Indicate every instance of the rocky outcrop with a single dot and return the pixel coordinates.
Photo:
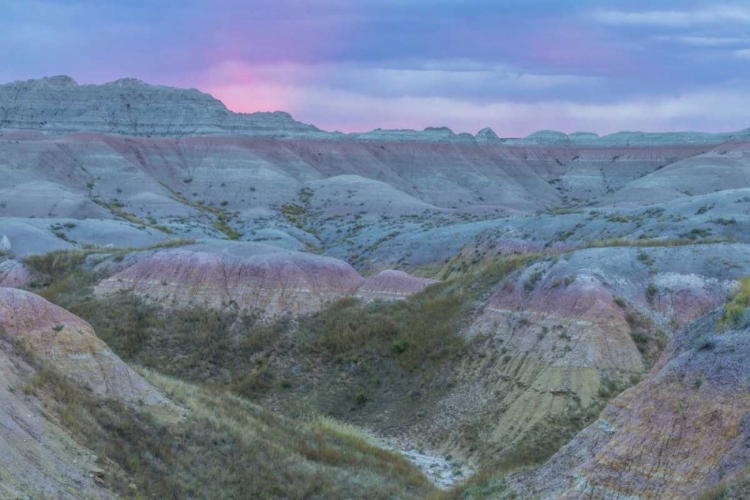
(430, 134)
(251, 277)
(58, 106)
(558, 339)
(487, 136)
(683, 430)
(392, 285)
(627, 139)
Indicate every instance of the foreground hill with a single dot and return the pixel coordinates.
(682, 432)
(77, 422)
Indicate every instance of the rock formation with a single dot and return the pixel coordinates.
(392, 285)
(682, 431)
(58, 105)
(250, 277)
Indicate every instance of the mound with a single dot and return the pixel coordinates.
(244, 275)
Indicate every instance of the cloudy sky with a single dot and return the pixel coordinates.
(352, 65)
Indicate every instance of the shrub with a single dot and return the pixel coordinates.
(360, 398)
(705, 343)
(534, 278)
(645, 258)
(737, 311)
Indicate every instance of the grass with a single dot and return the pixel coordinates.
(737, 310)
(351, 358)
(361, 354)
(540, 443)
(200, 345)
(648, 243)
(649, 339)
(224, 448)
(228, 448)
(423, 328)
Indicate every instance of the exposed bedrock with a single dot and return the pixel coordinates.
(558, 339)
(243, 275)
(681, 431)
(251, 277)
(392, 285)
(69, 345)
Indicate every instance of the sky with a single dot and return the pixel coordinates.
(516, 66)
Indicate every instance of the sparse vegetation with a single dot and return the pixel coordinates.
(645, 258)
(225, 448)
(737, 310)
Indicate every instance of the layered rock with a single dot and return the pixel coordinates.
(721, 168)
(13, 274)
(682, 431)
(69, 345)
(243, 275)
(620, 139)
(58, 106)
(392, 285)
(558, 339)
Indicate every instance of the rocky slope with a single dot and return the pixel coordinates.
(679, 433)
(392, 285)
(39, 455)
(250, 277)
(552, 343)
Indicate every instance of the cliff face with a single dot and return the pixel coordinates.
(392, 285)
(556, 341)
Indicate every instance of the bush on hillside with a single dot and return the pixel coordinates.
(737, 311)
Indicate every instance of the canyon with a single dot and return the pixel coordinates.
(544, 312)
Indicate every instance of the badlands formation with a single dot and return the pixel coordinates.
(543, 312)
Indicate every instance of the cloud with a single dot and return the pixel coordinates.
(348, 111)
(704, 40)
(742, 53)
(719, 14)
(432, 78)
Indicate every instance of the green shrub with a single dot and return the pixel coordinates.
(645, 258)
(737, 311)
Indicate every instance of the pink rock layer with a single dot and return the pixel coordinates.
(68, 344)
(269, 281)
(392, 285)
